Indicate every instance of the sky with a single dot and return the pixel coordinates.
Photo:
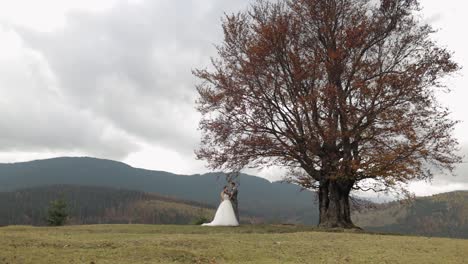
(112, 79)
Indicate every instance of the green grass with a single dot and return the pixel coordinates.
(195, 244)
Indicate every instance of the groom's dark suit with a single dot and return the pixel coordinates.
(233, 197)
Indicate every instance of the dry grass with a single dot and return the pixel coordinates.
(195, 244)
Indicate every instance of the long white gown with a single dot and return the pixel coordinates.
(225, 215)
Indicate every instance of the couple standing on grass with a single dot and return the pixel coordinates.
(228, 212)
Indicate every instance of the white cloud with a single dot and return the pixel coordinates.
(112, 78)
(155, 157)
(449, 18)
(47, 15)
(36, 117)
(118, 75)
(427, 189)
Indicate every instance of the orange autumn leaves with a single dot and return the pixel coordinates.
(334, 90)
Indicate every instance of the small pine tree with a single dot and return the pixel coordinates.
(201, 220)
(57, 213)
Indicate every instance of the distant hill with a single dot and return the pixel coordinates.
(259, 199)
(438, 215)
(97, 205)
(272, 202)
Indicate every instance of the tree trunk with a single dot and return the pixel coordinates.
(334, 204)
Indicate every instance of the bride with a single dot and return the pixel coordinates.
(225, 215)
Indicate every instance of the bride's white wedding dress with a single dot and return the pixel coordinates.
(225, 215)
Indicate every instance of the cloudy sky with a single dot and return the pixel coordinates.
(112, 79)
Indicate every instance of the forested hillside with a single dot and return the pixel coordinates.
(97, 205)
(438, 215)
(118, 193)
(275, 202)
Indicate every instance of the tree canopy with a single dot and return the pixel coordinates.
(341, 92)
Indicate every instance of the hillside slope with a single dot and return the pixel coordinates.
(275, 202)
(97, 205)
(438, 215)
(262, 201)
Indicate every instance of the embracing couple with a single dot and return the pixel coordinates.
(227, 213)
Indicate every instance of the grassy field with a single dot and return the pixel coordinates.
(194, 244)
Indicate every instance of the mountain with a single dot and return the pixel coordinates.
(97, 205)
(438, 215)
(271, 202)
(259, 199)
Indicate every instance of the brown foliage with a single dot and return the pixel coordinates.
(335, 90)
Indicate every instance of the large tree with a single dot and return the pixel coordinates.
(342, 92)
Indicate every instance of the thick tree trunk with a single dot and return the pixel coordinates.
(334, 204)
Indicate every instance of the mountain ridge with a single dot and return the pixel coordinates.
(257, 196)
(270, 202)
(444, 214)
(97, 205)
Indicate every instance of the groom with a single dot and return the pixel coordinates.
(233, 198)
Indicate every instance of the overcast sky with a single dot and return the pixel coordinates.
(112, 79)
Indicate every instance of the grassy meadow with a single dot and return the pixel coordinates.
(195, 244)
